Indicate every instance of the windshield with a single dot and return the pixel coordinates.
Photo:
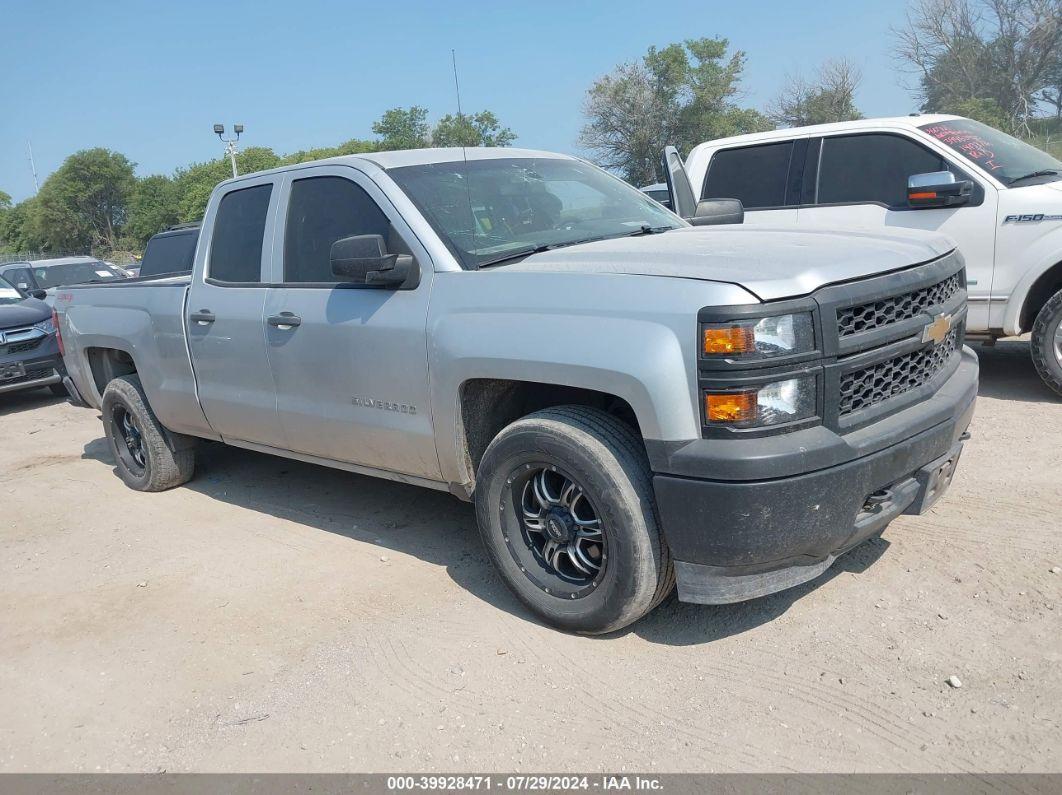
(75, 273)
(1001, 155)
(9, 295)
(487, 209)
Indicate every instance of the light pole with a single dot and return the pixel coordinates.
(230, 143)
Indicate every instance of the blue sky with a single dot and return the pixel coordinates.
(149, 79)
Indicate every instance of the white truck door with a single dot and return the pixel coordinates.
(352, 375)
(768, 179)
(862, 182)
(223, 316)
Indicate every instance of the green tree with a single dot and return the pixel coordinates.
(682, 94)
(83, 204)
(403, 128)
(999, 50)
(986, 111)
(14, 227)
(471, 129)
(829, 98)
(196, 182)
(354, 146)
(152, 208)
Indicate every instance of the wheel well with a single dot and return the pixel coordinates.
(107, 364)
(488, 405)
(1049, 283)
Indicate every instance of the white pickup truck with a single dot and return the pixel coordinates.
(998, 198)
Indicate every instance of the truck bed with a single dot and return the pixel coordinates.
(145, 319)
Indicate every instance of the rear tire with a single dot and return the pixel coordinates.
(138, 442)
(1047, 343)
(595, 568)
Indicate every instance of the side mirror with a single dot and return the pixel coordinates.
(40, 295)
(363, 259)
(938, 189)
(718, 211)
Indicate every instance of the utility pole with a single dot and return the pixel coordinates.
(230, 143)
(33, 168)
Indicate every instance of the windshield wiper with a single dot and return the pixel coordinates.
(650, 230)
(523, 252)
(1044, 172)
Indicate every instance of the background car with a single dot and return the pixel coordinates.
(47, 274)
(658, 192)
(29, 350)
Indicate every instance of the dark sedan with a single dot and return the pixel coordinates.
(29, 350)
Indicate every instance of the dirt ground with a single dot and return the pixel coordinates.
(276, 616)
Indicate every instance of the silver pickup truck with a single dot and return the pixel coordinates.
(629, 399)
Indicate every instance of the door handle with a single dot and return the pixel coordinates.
(202, 317)
(285, 321)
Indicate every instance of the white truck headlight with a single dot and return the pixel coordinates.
(779, 335)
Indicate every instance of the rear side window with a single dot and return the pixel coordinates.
(871, 168)
(236, 248)
(755, 174)
(321, 211)
(169, 254)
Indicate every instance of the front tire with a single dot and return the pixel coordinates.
(564, 503)
(138, 442)
(1047, 343)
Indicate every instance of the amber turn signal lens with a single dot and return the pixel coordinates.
(728, 339)
(730, 406)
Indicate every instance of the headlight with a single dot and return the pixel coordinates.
(781, 335)
(46, 326)
(770, 404)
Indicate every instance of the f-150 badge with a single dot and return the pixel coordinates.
(1030, 218)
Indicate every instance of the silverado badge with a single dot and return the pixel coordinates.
(937, 330)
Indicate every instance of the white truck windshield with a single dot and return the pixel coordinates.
(1003, 156)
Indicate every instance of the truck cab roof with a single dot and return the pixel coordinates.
(905, 122)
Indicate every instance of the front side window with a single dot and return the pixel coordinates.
(495, 209)
(1004, 157)
(873, 167)
(756, 175)
(321, 211)
(239, 228)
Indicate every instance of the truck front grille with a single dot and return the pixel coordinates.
(879, 382)
(875, 314)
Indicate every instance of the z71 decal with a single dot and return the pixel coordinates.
(1030, 218)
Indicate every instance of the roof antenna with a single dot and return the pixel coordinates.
(464, 156)
(457, 85)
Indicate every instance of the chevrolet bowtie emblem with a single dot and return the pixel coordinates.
(937, 330)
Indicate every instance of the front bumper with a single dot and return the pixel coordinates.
(42, 366)
(737, 539)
